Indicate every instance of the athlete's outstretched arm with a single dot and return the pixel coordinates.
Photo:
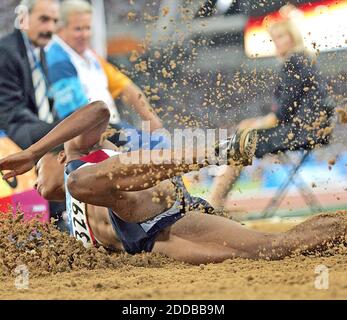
(84, 126)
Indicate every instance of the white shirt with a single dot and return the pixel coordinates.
(92, 77)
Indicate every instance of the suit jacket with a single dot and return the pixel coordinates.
(17, 95)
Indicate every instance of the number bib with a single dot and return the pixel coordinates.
(77, 210)
(77, 217)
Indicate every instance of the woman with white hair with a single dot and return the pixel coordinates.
(300, 117)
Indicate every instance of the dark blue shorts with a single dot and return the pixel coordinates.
(138, 237)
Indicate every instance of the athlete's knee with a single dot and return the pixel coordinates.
(78, 188)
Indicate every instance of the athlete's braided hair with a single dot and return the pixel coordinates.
(57, 149)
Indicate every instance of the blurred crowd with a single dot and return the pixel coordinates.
(48, 69)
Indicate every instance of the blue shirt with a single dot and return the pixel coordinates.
(66, 87)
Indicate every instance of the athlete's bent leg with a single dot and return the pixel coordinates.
(94, 184)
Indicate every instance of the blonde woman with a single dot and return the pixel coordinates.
(301, 112)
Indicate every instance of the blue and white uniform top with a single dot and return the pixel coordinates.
(77, 210)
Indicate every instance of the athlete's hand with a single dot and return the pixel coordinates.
(17, 163)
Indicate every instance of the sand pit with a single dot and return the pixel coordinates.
(60, 268)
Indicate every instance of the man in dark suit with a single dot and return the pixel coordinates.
(26, 114)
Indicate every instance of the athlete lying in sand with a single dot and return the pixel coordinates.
(102, 193)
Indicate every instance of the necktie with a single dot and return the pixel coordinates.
(40, 88)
